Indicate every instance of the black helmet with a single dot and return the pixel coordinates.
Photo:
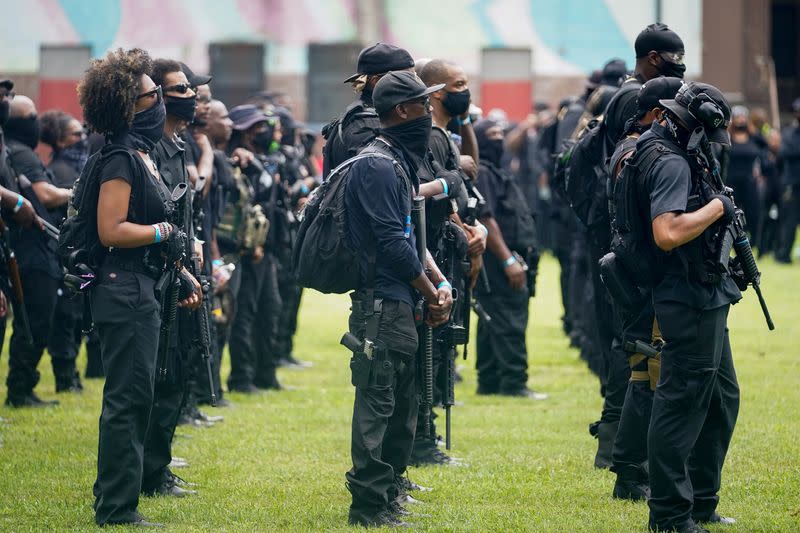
(701, 104)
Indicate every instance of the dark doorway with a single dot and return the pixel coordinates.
(786, 50)
(238, 70)
(328, 66)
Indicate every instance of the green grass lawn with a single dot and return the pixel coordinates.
(277, 462)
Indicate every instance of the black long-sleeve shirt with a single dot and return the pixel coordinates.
(378, 203)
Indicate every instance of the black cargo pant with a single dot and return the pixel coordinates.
(257, 305)
(170, 395)
(126, 314)
(40, 303)
(384, 412)
(694, 412)
(291, 294)
(94, 361)
(65, 336)
(502, 356)
(630, 446)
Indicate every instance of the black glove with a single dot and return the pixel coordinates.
(729, 208)
(451, 177)
(737, 274)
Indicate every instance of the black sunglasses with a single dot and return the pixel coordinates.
(156, 91)
(182, 88)
(425, 100)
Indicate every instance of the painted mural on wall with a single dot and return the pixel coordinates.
(567, 36)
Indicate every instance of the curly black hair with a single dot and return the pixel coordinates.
(54, 126)
(108, 92)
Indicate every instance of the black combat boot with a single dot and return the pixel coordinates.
(631, 484)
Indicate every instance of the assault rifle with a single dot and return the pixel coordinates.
(168, 287)
(201, 324)
(425, 350)
(13, 284)
(700, 148)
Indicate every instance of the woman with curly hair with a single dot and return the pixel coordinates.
(120, 101)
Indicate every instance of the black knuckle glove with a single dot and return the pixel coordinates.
(729, 208)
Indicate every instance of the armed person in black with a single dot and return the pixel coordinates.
(172, 389)
(378, 200)
(359, 124)
(253, 361)
(510, 262)
(659, 51)
(790, 181)
(120, 100)
(16, 209)
(629, 454)
(67, 138)
(696, 401)
(39, 269)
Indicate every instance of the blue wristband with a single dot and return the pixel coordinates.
(465, 121)
(444, 185)
(20, 202)
(510, 261)
(442, 283)
(158, 233)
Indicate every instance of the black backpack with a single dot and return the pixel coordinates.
(79, 245)
(322, 256)
(584, 170)
(334, 152)
(630, 240)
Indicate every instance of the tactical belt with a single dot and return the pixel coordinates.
(131, 265)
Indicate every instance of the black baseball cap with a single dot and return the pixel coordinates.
(381, 58)
(657, 37)
(686, 95)
(8, 84)
(398, 87)
(614, 72)
(195, 80)
(245, 116)
(655, 90)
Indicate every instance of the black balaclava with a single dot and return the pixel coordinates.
(457, 103)
(182, 108)
(265, 141)
(23, 129)
(490, 150)
(412, 138)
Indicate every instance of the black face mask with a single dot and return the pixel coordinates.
(5, 107)
(366, 95)
(672, 70)
(740, 127)
(412, 138)
(456, 104)
(679, 134)
(266, 142)
(76, 155)
(182, 108)
(25, 130)
(492, 151)
(148, 127)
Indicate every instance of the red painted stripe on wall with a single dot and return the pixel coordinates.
(59, 94)
(514, 97)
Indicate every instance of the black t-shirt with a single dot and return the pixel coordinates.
(669, 183)
(446, 154)
(34, 249)
(64, 176)
(742, 161)
(148, 200)
(506, 202)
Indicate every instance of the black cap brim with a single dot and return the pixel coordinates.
(719, 136)
(433, 89)
(352, 78)
(8, 84)
(247, 124)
